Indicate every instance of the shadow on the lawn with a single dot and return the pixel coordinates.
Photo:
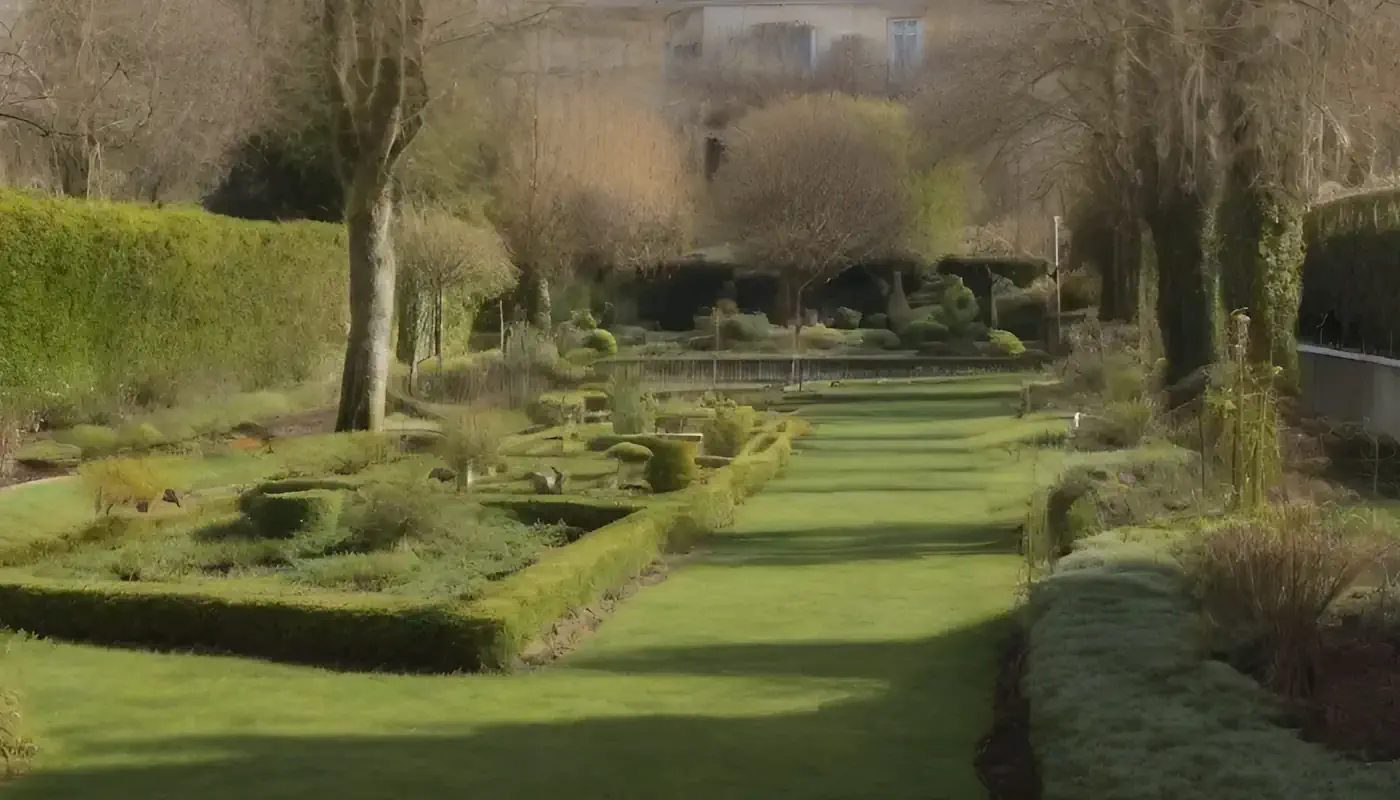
(880, 542)
(910, 736)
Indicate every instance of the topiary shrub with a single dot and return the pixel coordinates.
(584, 320)
(628, 453)
(1006, 342)
(876, 322)
(880, 338)
(726, 434)
(601, 341)
(282, 516)
(747, 328)
(960, 304)
(727, 307)
(672, 465)
(93, 440)
(846, 319)
(556, 408)
(583, 356)
(820, 337)
(48, 454)
(139, 436)
(922, 332)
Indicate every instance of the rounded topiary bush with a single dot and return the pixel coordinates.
(143, 436)
(672, 465)
(846, 319)
(282, 516)
(747, 328)
(880, 338)
(1006, 343)
(726, 434)
(556, 408)
(922, 332)
(628, 453)
(960, 304)
(876, 321)
(584, 320)
(820, 337)
(93, 440)
(601, 341)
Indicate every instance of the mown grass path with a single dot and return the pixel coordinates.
(839, 643)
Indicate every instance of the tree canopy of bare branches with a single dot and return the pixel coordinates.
(1214, 122)
(587, 180)
(447, 267)
(131, 98)
(817, 183)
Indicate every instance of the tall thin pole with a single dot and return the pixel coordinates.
(1058, 320)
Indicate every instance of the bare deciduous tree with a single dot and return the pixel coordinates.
(815, 184)
(133, 98)
(587, 180)
(1217, 120)
(374, 61)
(442, 260)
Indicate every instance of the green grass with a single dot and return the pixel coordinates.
(838, 643)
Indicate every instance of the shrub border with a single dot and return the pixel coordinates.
(370, 632)
(1125, 705)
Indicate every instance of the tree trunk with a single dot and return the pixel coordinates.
(535, 297)
(1188, 296)
(365, 380)
(73, 163)
(410, 321)
(1262, 252)
(787, 308)
(439, 325)
(410, 326)
(1122, 267)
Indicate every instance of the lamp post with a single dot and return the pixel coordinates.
(1058, 320)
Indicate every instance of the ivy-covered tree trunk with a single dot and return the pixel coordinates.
(1188, 288)
(1261, 260)
(535, 297)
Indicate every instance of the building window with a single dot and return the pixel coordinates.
(787, 44)
(906, 45)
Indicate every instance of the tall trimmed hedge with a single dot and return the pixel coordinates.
(98, 296)
(1351, 271)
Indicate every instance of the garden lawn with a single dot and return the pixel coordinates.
(838, 643)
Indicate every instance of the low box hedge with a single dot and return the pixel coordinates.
(377, 632)
(578, 512)
(285, 514)
(1124, 704)
(323, 628)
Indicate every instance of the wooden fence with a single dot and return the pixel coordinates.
(757, 369)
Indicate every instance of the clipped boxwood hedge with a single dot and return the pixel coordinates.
(366, 631)
(99, 296)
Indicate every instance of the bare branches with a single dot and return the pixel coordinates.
(129, 97)
(588, 177)
(816, 183)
